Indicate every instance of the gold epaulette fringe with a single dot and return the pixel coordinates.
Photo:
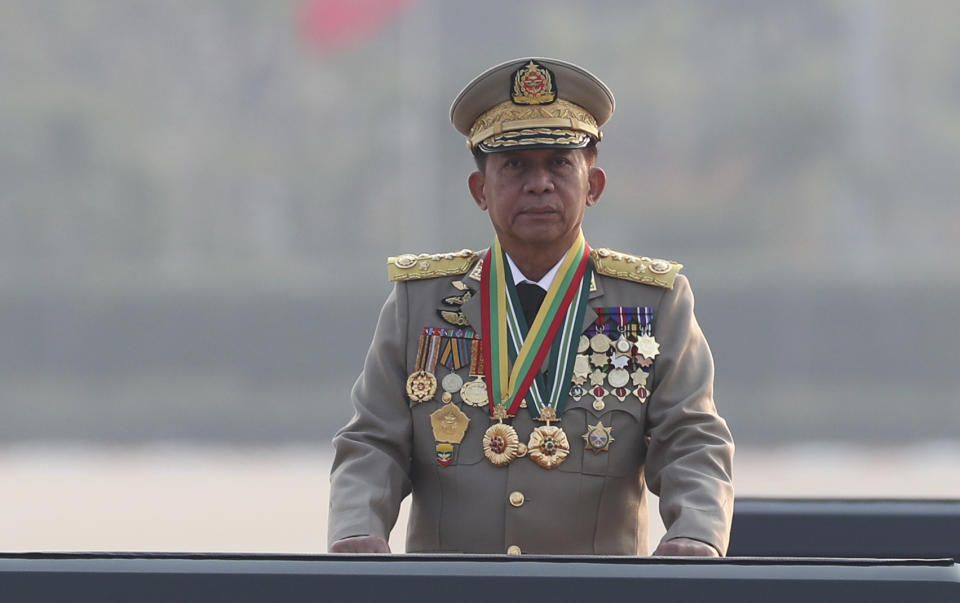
(409, 267)
(640, 269)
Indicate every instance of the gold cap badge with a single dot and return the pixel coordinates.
(533, 84)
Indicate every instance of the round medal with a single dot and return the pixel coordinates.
(451, 383)
(618, 377)
(421, 386)
(474, 392)
(548, 446)
(599, 343)
(583, 345)
(501, 444)
(623, 345)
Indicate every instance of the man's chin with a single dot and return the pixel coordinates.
(543, 237)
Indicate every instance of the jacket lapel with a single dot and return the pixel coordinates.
(595, 301)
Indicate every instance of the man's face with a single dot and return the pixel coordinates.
(537, 197)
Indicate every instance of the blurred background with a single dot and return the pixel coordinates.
(197, 198)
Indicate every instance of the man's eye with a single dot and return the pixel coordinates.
(513, 163)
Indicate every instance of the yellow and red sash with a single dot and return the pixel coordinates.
(553, 334)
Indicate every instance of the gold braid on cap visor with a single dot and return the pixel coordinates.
(561, 122)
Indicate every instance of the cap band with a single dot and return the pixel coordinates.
(535, 138)
(509, 117)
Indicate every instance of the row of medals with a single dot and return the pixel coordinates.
(619, 364)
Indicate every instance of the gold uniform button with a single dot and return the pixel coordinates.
(513, 550)
(516, 498)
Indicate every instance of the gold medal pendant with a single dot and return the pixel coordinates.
(600, 343)
(639, 377)
(474, 392)
(449, 424)
(501, 444)
(422, 383)
(421, 386)
(599, 360)
(581, 369)
(648, 347)
(548, 446)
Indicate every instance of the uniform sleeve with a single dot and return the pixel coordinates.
(370, 473)
(690, 451)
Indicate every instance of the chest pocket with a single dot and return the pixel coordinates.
(627, 450)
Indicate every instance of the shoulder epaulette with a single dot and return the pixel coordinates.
(640, 269)
(409, 267)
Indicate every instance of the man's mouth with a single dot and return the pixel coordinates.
(539, 211)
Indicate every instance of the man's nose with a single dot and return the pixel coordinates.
(539, 180)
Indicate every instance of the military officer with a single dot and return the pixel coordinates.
(526, 394)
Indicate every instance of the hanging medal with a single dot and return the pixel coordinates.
(581, 369)
(422, 383)
(647, 348)
(449, 424)
(501, 444)
(548, 445)
(553, 337)
(474, 392)
(619, 376)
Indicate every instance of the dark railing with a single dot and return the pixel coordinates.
(845, 528)
(781, 550)
(462, 579)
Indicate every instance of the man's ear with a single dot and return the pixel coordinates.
(475, 183)
(597, 180)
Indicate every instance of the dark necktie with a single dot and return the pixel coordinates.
(531, 296)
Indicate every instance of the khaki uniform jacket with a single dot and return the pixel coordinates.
(592, 503)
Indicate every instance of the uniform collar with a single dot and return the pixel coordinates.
(471, 308)
(544, 283)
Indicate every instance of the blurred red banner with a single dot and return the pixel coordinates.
(330, 25)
